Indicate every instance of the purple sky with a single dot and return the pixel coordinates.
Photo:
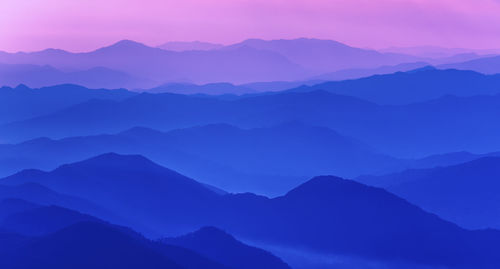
(82, 25)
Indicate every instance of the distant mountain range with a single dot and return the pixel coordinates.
(325, 55)
(464, 193)
(37, 76)
(437, 52)
(414, 86)
(238, 65)
(325, 215)
(128, 64)
(133, 65)
(485, 65)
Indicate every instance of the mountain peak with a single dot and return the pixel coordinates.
(207, 232)
(328, 185)
(22, 87)
(115, 159)
(125, 45)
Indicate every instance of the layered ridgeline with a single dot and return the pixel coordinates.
(35, 236)
(413, 130)
(267, 160)
(466, 194)
(43, 76)
(326, 215)
(22, 103)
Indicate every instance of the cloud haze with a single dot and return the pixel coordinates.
(85, 25)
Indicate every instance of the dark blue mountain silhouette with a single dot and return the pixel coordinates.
(126, 185)
(325, 214)
(42, 220)
(23, 103)
(224, 248)
(466, 194)
(14, 205)
(40, 195)
(412, 87)
(58, 228)
(86, 245)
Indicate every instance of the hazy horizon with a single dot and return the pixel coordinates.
(86, 25)
(154, 45)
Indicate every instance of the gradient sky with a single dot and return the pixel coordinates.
(83, 25)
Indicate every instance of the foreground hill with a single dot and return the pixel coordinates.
(325, 214)
(87, 245)
(220, 246)
(125, 185)
(49, 235)
(466, 194)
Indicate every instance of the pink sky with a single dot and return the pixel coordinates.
(83, 25)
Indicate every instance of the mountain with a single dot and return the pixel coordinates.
(142, 184)
(42, 225)
(324, 215)
(449, 159)
(356, 73)
(414, 86)
(464, 193)
(43, 220)
(36, 76)
(271, 160)
(486, 65)
(238, 65)
(276, 86)
(36, 194)
(290, 148)
(23, 102)
(224, 248)
(195, 45)
(12, 205)
(40, 195)
(87, 245)
(212, 89)
(325, 55)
